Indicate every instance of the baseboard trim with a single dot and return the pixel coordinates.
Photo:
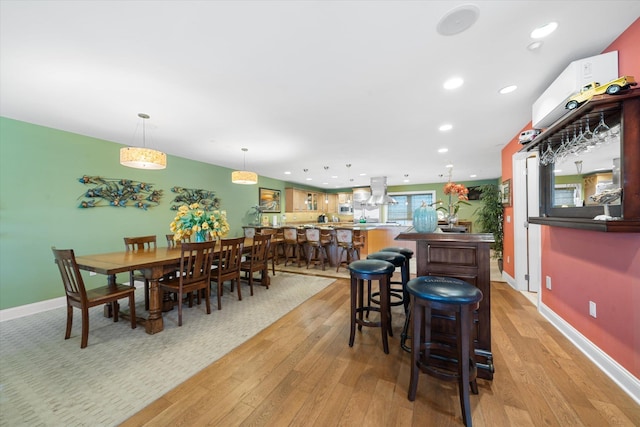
(34, 308)
(38, 307)
(625, 379)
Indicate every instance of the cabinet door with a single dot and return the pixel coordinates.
(332, 206)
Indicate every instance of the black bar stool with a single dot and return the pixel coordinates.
(408, 254)
(454, 297)
(369, 270)
(398, 292)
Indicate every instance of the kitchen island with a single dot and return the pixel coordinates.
(376, 236)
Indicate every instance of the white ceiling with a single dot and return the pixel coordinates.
(301, 84)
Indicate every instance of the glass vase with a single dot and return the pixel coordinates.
(201, 236)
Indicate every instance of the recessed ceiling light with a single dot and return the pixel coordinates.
(535, 45)
(445, 127)
(458, 20)
(557, 170)
(544, 31)
(443, 150)
(287, 173)
(334, 176)
(309, 179)
(453, 83)
(508, 89)
(473, 175)
(450, 165)
(405, 180)
(363, 174)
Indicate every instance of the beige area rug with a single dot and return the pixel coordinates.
(46, 380)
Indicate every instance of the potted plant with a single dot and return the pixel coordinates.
(490, 216)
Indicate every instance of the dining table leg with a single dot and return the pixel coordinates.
(154, 324)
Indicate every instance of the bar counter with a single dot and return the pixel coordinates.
(464, 256)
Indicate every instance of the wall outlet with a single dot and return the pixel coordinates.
(548, 284)
(592, 309)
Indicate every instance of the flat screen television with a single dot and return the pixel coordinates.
(474, 193)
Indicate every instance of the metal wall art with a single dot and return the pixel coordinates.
(118, 193)
(187, 196)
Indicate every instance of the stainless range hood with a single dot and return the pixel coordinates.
(379, 194)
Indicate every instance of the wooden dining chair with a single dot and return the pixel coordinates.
(196, 260)
(78, 296)
(226, 266)
(257, 260)
(276, 250)
(140, 243)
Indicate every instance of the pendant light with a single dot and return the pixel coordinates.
(143, 157)
(244, 176)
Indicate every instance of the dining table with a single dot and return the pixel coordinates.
(152, 263)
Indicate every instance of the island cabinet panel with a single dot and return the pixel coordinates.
(465, 257)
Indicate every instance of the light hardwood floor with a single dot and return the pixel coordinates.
(301, 372)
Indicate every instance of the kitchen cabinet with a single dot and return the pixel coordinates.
(618, 112)
(331, 205)
(302, 200)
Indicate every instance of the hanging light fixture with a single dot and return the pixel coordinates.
(244, 176)
(143, 157)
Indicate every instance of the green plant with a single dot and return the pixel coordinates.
(490, 215)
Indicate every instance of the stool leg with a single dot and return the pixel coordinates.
(354, 289)
(416, 334)
(404, 336)
(384, 313)
(361, 302)
(463, 326)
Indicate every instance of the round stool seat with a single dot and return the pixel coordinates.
(395, 258)
(371, 266)
(444, 290)
(404, 251)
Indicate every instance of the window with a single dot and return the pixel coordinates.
(407, 203)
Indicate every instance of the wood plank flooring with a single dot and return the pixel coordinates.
(301, 372)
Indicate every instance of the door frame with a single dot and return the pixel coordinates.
(527, 244)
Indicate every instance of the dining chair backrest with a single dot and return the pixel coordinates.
(260, 248)
(195, 262)
(229, 257)
(172, 243)
(71, 277)
(140, 243)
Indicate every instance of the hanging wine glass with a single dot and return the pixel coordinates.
(614, 133)
(588, 135)
(602, 130)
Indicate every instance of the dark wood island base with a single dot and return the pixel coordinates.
(467, 257)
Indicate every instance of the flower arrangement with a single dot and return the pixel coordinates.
(459, 191)
(193, 219)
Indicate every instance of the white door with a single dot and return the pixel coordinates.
(526, 236)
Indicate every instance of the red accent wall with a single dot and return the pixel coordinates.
(593, 266)
(600, 267)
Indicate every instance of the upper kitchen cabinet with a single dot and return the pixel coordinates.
(303, 201)
(589, 166)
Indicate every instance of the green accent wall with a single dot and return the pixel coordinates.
(40, 192)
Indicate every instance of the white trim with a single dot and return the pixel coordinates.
(34, 308)
(38, 307)
(627, 381)
(510, 280)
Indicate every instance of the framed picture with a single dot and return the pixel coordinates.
(506, 193)
(269, 200)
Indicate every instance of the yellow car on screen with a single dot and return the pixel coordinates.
(595, 88)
